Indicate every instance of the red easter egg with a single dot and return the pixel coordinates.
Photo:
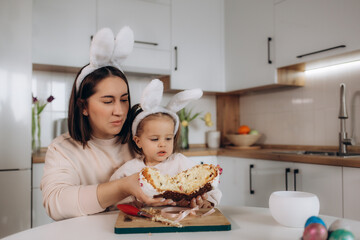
(315, 231)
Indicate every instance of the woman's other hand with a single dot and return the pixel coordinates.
(135, 190)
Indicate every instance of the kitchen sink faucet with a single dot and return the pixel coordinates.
(343, 140)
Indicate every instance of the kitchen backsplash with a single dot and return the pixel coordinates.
(60, 84)
(307, 115)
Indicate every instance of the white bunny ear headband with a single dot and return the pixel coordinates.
(104, 51)
(151, 99)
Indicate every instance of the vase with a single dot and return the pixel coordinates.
(33, 130)
(184, 137)
(36, 133)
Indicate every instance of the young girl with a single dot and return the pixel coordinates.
(155, 131)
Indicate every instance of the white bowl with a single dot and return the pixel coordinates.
(293, 208)
(243, 140)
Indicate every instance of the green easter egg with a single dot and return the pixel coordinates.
(341, 234)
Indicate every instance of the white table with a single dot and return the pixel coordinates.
(247, 223)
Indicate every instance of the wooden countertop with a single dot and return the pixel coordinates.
(267, 152)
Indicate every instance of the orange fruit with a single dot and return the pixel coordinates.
(244, 129)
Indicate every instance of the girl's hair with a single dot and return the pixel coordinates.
(135, 110)
(78, 124)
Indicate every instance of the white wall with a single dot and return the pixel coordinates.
(60, 84)
(306, 115)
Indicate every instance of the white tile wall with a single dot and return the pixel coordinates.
(59, 85)
(306, 115)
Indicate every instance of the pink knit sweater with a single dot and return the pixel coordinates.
(72, 174)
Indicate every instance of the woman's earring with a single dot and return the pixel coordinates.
(85, 113)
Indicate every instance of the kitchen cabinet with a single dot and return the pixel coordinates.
(150, 21)
(307, 26)
(266, 177)
(241, 176)
(324, 181)
(249, 44)
(197, 32)
(39, 215)
(234, 181)
(249, 182)
(351, 178)
(62, 31)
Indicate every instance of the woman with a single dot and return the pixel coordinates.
(78, 165)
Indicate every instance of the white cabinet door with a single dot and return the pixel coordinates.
(150, 21)
(325, 182)
(249, 44)
(309, 26)
(267, 177)
(234, 181)
(198, 45)
(62, 31)
(351, 178)
(39, 215)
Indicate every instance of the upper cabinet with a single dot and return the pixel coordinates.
(309, 30)
(150, 21)
(62, 31)
(249, 44)
(216, 45)
(197, 45)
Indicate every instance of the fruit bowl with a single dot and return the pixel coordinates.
(243, 140)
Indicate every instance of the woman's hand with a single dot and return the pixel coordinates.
(135, 190)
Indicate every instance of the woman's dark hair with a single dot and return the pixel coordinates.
(78, 124)
(136, 110)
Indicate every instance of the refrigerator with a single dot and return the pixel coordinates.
(15, 115)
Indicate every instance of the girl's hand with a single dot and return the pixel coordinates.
(200, 201)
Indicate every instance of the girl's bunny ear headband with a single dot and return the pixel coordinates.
(151, 99)
(104, 51)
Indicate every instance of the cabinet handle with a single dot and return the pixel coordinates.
(269, 60)
(296, 171)
(287, 170)
(147, 43)
(176, 58)
(250, 174)
(324, 50)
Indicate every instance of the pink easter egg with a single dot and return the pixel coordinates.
(315, 231)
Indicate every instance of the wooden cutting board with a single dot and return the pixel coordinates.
(214, 222)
